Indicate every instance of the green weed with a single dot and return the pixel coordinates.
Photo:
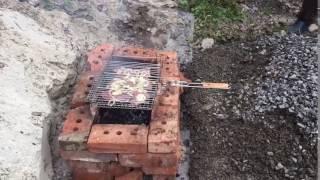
(211, 15)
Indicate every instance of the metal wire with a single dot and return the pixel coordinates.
(114, 71)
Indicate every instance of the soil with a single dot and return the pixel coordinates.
(225, 146)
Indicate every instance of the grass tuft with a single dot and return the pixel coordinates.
(211, 15)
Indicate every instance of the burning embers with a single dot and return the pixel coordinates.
(122, 125)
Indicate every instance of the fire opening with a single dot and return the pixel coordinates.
(122, 116)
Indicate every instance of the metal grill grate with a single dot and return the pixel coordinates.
(126, 83)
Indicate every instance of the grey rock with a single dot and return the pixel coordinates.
(294, 159)
(270, 153)
(207, 107)
(207, 43)
(34, 2)
(279, 166)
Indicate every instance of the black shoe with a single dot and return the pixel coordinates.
(299, 27)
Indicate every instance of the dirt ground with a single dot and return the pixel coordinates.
(226, 146)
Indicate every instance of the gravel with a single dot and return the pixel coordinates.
(290, 81)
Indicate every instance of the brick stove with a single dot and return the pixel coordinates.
(99, 145)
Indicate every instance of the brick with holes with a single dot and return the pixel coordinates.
(76, 129)
(164, 130)
(170, 65)
(171, 97)
(148, 55)
(82, 89)
(98, 56)
(118, 138)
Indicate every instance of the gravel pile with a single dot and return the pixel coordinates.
(290, 81)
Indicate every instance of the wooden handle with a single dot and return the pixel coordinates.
(216, 85)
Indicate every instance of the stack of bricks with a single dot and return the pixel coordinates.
(123, 151)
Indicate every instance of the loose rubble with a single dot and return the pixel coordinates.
(290, 81)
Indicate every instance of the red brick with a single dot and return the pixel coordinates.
(117, 138)
(76, 129)
(166, 113)
(88, 156)
(160, 170)
(170, 70)
(149, 55)
(161, 177)
(82, 88)
(90, 167)
(164, 130)
(159, 164)
(134, 175)
(169, 97)
(84, 174)
(98, 57)
(148, 159)
(170, 65)
(115, 169)
(112, 169)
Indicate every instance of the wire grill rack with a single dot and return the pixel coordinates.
(138, 80)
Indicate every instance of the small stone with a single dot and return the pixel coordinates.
(279, 166)
(283, 33)
(221, 116)
(263, 52)
(2, 65)
(313, 27)
(293, 76)
(245, 7)
(283, 20)
(34, 2)
(207, 106)
(207, 43)
(301, 125)
(294, 159)
(270, 153)
(36, 113)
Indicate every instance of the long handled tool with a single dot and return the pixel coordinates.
(204, 85)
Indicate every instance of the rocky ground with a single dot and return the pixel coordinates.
(263, 128)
